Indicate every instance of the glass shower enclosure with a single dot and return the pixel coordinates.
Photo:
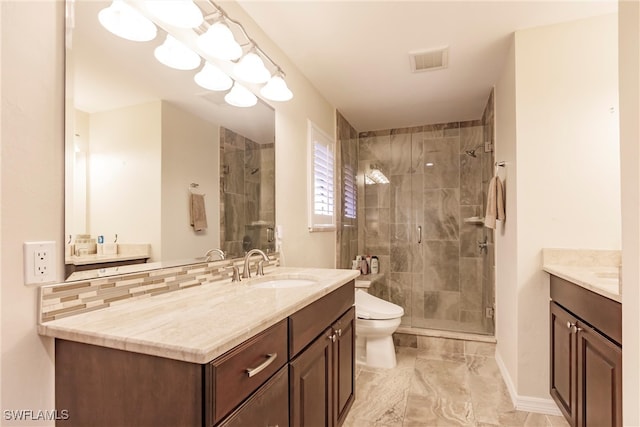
(426, 224)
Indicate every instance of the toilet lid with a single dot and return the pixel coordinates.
(370, 307)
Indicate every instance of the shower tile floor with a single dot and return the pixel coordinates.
(445, 383)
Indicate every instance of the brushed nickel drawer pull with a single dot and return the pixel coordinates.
(255, 371)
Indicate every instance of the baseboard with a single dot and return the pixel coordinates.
(526, 403)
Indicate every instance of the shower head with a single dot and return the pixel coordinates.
(472, 152)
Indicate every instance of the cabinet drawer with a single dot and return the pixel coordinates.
(238, 373)
(269, 406)
(306, 324)
(600, 312)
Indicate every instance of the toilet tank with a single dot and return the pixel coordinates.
(363, 283)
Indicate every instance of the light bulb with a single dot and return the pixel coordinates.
(126, 22)
(213, 78)
(218, 41)
(240, 96)
(276, 90)
(251, 69)
(175, 54)
(179, 13)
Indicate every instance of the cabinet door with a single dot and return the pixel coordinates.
(310, 384)
(344, 366)
(563, 361)
(599, 380)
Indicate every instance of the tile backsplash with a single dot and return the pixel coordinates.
(70, 298)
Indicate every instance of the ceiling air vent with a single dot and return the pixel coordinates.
(427, 60)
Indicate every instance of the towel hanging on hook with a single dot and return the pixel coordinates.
(193, 188)
(495, 202)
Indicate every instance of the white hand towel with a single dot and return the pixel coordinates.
(495, 203)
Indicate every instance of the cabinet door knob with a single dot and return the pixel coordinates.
(569, 325)
(332, 337)
(339, 332)
(271, 357)
(573, 327)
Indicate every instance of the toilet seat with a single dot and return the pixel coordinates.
(370, 307)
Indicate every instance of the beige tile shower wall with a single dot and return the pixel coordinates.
(70, 298)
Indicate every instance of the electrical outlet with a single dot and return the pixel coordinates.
(39, 262)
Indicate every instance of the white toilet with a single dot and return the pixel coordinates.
(376, 321)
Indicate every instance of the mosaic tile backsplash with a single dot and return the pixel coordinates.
(71, 298)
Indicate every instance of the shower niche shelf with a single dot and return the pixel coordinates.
(477, 220)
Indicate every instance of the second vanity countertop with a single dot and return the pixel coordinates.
(200, 323)
(596, 271)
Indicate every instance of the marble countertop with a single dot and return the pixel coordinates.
(200, 323)
(596, 271)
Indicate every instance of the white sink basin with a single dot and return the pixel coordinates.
(282, 283)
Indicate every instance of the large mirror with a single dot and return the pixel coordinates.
(143, 141)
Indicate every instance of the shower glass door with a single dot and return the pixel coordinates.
(426, 224)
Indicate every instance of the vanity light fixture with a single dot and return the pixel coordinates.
(176, 54)
(126, 22)
(213, 78)
(218, 41)
(211, 37)
(179, 13)
(251, 68)
(276, 89)
(240, 96)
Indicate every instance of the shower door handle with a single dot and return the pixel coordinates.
(419, 234)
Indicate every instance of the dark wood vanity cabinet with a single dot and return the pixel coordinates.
(322, 376)
(586, 355)
(298, 372)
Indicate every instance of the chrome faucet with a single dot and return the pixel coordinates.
(210, 252)
(246, 273)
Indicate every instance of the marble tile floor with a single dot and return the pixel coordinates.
(445, 383)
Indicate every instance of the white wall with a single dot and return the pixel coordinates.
(567, 187)
(506, 242)
(629, 26)
(32, 195)
(190, 153)
(124, 170)
(76, 176)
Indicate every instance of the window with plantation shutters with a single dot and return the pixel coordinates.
(321, 180)
(349, 192)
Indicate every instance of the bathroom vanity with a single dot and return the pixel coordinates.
(586, 344)
(227, 354)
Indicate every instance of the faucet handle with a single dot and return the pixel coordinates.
(235, 276)
(260, 269)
